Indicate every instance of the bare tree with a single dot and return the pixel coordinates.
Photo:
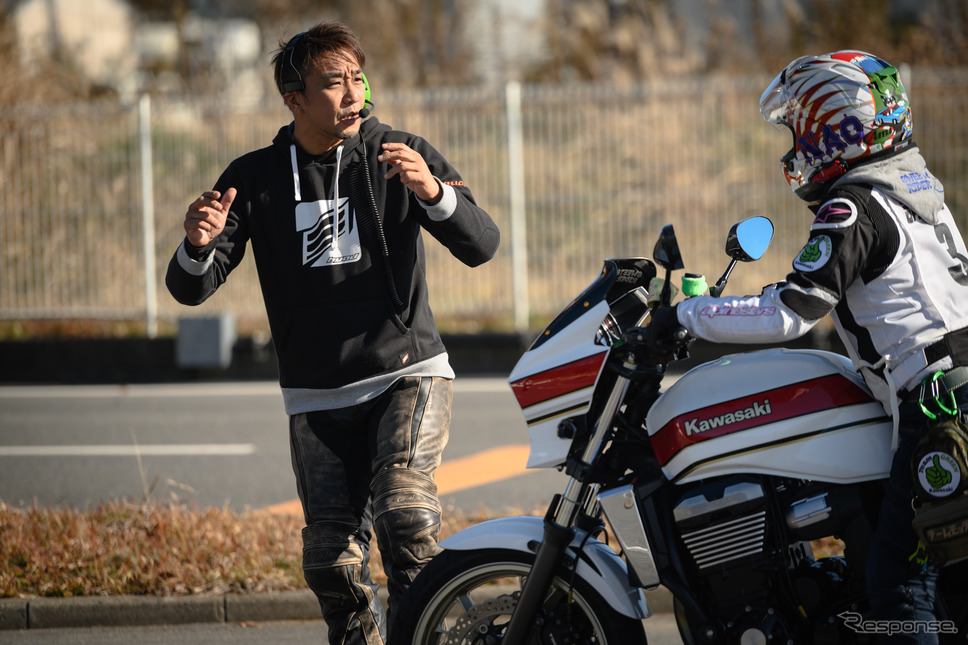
(408, 43)
(637, 39)
(614, 40)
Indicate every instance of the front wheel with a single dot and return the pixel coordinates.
(466, 598)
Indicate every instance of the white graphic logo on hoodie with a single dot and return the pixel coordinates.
(330, 235)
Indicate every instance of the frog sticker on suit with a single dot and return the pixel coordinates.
(815, 254)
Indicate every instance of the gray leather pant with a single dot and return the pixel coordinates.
(362, 470)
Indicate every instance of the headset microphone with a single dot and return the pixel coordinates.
(365, 112)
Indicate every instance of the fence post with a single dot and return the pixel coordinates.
(147, 215)
(519, 233)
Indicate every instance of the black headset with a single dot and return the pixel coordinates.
(298, 84)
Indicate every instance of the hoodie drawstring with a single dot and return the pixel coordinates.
(295, 172)
(339, 157)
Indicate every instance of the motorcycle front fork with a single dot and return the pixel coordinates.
(565, 512)
(547, 560)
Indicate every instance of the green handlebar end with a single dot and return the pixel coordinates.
(694, 284)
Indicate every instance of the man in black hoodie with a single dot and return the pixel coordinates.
(334, 210)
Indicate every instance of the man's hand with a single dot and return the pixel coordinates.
(205, 218)
(407, 164)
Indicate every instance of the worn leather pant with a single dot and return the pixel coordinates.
(370, 469)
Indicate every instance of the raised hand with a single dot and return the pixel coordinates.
(407, 164)
(205, 218)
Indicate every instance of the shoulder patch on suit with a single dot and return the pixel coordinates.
(815, 254)
(837, 213)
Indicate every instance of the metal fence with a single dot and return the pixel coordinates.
(92, 196)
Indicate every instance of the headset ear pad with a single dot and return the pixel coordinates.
(366, 89)
(297, 84)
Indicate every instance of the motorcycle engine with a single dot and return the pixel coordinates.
(752, 568)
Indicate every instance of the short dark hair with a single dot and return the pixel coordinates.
(303, 52)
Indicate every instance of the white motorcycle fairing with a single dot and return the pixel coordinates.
(804, 414)
(598, 565)
(556, 380)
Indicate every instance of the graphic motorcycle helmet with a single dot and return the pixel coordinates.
(841, 108)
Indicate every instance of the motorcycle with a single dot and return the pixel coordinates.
(716, 488)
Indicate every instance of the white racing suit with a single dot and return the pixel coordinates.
(886, 260)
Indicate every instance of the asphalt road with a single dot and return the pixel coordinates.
(660, 630)
(226, 445)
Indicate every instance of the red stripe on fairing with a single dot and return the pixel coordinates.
(558, 381)
(787, 402)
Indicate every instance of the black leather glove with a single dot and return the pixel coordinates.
(664, 333)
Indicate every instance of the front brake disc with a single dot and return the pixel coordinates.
(477, 624)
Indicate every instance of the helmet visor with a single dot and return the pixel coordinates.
(773, 103)
(779, 103)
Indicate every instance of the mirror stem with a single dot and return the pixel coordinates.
(665, 297)
(720, 285)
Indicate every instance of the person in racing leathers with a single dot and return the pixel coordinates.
(884, 258)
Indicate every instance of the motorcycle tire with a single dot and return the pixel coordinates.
(466, 598)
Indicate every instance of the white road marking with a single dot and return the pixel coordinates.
(259, 388)
(167, 390)
(156, 450)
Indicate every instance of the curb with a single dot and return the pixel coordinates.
(137, 611)
(118, 611)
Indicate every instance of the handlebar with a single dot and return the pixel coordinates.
(677, 346)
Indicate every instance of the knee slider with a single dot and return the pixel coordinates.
(406, 515)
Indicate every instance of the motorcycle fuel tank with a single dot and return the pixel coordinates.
(791, 413)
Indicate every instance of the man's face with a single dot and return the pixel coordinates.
(328, 111)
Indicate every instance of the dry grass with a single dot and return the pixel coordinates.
(121, 548)
(154, 549)
(165, 550)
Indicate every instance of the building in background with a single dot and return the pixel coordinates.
(95, 37)
(124, 52)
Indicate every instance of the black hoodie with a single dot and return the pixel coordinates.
(334, 319)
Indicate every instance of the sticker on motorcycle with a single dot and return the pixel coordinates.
(814, 255)
(939, 474)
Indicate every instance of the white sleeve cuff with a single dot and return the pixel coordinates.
(194, 267)
(445, 207)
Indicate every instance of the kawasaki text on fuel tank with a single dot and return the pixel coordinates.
(698, 426)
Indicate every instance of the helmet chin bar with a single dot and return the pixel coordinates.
(829, 171)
